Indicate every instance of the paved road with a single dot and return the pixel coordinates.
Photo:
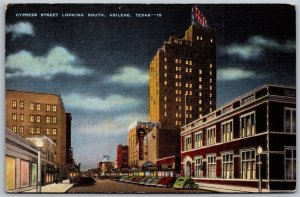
(110, 186)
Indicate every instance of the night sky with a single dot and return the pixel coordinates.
(99, 65)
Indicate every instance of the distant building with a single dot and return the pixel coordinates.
(122, 157)
(21, 157)
(46, 145)
(182, 78)
(105, 166)
(33, 114)
(219, 150)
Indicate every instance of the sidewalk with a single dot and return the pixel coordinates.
(53, 188)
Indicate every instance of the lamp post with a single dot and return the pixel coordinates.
(259, 152)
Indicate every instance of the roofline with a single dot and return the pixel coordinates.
(58, 95)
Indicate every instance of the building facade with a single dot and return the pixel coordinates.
(33, 114)
(21, 163)
(182, 78)
(122, 157)
(219, 150)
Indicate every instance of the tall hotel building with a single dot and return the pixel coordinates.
(183, 78)
(38, 114)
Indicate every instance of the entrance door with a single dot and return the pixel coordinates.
(187, 172)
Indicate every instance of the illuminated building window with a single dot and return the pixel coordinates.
(176, 91)
(22, 117)
(211, 165)
(48, 107)
(176, 61)
(179, 84)
(54, 108)
(31, 106)
(188, 143)
(176, 114)
(14, 129)
(210, 72)
(179, 68)
(38, 118)
(179, 76)
(176, 99)
(166, 82)
(227, 131)
(38, 130)
(186, 85)
(191, 115)
(191, 93)
(48, 119)
(191, 70)
(198, 139)
(166, 67)
(200, 109)
(210, 65)
(14, 116)
(54, 119)
(200, 78)
(165, 114)
(200, 101)
(210, 95)
(210, 109)
(54, 131)
(247, 123)
(165, 59)
(191, 85)
(176, 76)
(48, 131)
(179, 61)
(191, 63)
(210, 102)
(186, 107)
(186, 115)
(186, 70)
(210, 80)
(14, 104)
(200, 93)
(211, 40)
(21, 129)
(186, 92)
(176, 67)
(200, 71)
(38, 107)
(176, 83)
(200, 86)
(179, 107)
(165, 98)
(31, 130)
(248, 164)
(21, 104)
(31, 118)
(210, 87)
(211, 136)
(165, 74)
(176, 123)
(165, 106)
(186, 62)
(191, 108)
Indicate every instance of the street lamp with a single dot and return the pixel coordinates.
(259, 152)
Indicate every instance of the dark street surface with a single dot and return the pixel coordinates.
(110, 186)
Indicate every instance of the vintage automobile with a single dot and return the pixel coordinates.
(149, 181)
(155, 181)
(137, 179)
(185, 183)
(166, 182)
(144, 180)
(123, 178)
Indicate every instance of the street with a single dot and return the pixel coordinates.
(110, 186)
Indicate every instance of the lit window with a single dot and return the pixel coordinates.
(198, 37)
(31, 106)
(177, 68)
(210, 80)
(248, 164)
(198, 167)
(186, 62)
(227, 131)
(210, 95)
(48, 119)
(200, 78)
(290, 120)
(38, 107)
(210, 72)
(38, 130)
(54, 108)
(211, 136)
(176, 115)
(179, 107)
(210, 65)
(54, 119)
(176, 76)
(165, 74)
(191, 115)
(210, 102)
(165, 98)
(176, 123)
(14, 104)
(14, 129)
(165, 106)
(176, 91)
(200, 93)
(165, 114)
(211, 166)
(179, 84)
(31, 130)
(200, 109)
(166, 67)
(186, 85)
(21, 129)
(198, 139)
(210, 109)
(191, 108)
(165, 59)
(54, 131)
(247, 123)
(48, 131)
(191, 63)
(14, 116)
(187, 143)
(31, 118)
(186, 92)
(200, 71)
(191, 93)
(176, 83)
(186, 70)
(200, 86)
(210, 87)
(211, 40)
(48, 107)
(22, 117)
(191, 85)
(166, 82)
(176, 61)
(179, 76)
(290, 163)
(227, 165)
(200, 101)
(191, 70)
(176, 99)
(38, 118)
(21, 104)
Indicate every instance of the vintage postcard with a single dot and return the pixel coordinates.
(150, 98)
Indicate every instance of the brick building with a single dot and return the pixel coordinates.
(33, 114)
(219, 150)
(182, 78)
(122, 157)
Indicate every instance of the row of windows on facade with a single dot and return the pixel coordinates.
(247, 128)
(198, 38)
(37, 118)
(35, 130)
(34, 106)
(247, 165)
(179, 76)
(188, 70)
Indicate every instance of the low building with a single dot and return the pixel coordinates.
(48, 167)
(219, 150)
(21, 157)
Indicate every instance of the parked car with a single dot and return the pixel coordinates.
(143, 180)
(123, 178)
(129, 179)
(185, 183)
(137, 179)
(166, 182)
(149, 181)
(155, 181)
(83, 180)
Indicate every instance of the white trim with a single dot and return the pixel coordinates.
(241, 160)
(232, 130)
(278, 132)
(245, 115)
(227, 153)
(211, 155)
(194, 134)
(195, 158)
(215, 135)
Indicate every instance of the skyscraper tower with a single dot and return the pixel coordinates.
(183, 76)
